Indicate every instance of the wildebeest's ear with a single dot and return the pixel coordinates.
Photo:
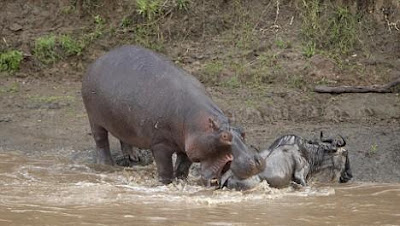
(225, 138)
(340, 141)
(213, 124)
(327, 140)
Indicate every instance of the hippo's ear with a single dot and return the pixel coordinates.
(225, 138)
(240, 131)
(213, 124)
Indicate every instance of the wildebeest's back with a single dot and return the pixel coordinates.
(278, 163)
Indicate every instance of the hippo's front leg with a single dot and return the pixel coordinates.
(163, 156)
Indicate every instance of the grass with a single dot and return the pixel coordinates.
(309, 49)
(45, 49)
(148, 8)
(51, 48)
(331, 28)
(232, 82)
(281, 44)
(12, 88)
(373, 150)
(182, 4)
(50, 99)
(149, 36)
(211, 71)
(70, 46)
(10, 60)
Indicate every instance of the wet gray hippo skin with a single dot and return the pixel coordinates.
(146, 101)
(294, 159)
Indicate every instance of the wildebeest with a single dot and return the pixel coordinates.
(294, 159)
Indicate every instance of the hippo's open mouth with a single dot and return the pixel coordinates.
(213, 169)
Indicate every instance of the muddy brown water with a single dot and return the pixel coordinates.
(50, 190)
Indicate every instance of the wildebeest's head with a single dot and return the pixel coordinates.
(336, 163)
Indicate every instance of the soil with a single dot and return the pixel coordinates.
(41, 109)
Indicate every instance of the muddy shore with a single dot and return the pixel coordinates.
(39, 117)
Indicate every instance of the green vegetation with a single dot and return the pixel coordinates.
(97, 32)
(51, 48)
(153, 9)
(10, 60)
(148, 8)
(343, 30)
(331, 28)
(126, 22)
(373, 150)
(211, 72)
(182, 4)
(70, 46)
(50, 99)
(12, 88)
(281, 44)
(232, 82)
(45, 49)
(296, 81)
(309, 49)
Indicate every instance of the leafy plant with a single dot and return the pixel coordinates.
(98, 20)
(309, 49)
(10, 60)
(330, 27)
(148, 8)
(182, 4)
(44, 49)
(211, 71)
(70, 46)
(373, 150)
(126, 22)
(280, 43)
(342, 30)
(232, 82)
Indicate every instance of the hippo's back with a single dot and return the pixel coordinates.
(131, 89)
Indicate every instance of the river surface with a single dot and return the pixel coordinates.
(50, 190)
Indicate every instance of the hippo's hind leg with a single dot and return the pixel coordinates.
(163, 156)
(100, 136)
(182, 165)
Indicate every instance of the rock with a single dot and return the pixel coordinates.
(5, 119)
(15, 27)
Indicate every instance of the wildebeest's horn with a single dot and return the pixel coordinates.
(342, 143)
(328, 140)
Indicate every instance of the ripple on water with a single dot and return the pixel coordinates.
(66, 183)
(54, 190)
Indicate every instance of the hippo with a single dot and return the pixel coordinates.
(292, 158)
(145, 101)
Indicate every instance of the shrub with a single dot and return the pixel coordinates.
(45, 48)
(70, 46)
(10, 60)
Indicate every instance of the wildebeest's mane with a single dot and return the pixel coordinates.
(313, 151)
(316, 154)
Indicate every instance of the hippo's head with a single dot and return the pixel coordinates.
(222, 148)
(336, 161)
